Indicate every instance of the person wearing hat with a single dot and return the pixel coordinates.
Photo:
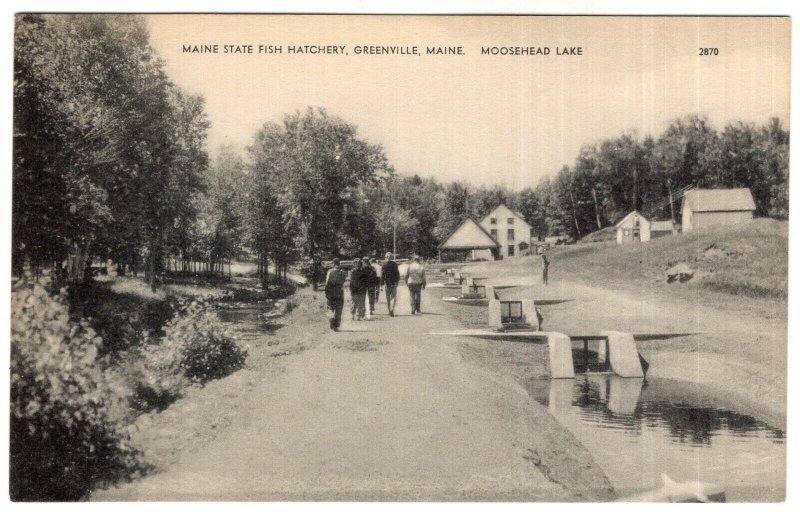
(390, 276)
(334, 293)
(415, 279)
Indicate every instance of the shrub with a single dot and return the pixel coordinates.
(196, 344)
(67, 432)
(155, 386)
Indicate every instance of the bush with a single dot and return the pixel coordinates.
(67, 431)
(197, 345)
(155, 386)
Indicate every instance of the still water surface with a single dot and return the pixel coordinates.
(636, 430)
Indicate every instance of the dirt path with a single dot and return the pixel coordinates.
(740, 351)
(378, 411)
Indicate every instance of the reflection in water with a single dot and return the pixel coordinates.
(638, 429)
(249, 319)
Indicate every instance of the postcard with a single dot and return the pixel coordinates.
(265, 257)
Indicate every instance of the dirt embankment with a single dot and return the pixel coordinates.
(378, 411)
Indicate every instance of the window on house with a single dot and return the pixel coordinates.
(493, 220)
(493, 233)
(511, 250)
(510, 220)
(510, 234)
(626, 232)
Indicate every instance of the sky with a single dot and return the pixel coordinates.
(485, 119)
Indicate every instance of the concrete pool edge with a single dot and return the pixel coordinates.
(722, 378)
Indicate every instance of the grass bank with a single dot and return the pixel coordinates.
(749, 261)
(736, 302)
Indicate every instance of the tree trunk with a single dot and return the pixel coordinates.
(596, 208)
(671, 207)
(574, 213)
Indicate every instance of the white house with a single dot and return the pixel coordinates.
(634, 227)
(509, 230)
(704, 208)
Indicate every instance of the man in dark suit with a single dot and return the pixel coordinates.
(390, 276)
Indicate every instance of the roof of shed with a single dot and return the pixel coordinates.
(720, 200)
(661, 225)
(618, 224)
(469, 235)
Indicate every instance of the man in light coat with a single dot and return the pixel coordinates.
(415, 280)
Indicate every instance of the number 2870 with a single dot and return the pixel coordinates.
(708, 51)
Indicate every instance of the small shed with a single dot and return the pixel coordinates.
(468, 240)
(704, 208)
(660, 228)
(633, 228)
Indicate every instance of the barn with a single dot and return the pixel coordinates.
(633, 228)
(706, 208)
(469, 241)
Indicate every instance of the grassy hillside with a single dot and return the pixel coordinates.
(747, 260)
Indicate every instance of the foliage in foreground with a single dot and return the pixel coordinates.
(67, 430)
(196, 345)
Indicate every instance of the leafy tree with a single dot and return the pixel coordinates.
(455, 208)
(310, 173)
(534, 210)
(775, 167)
(107, 152)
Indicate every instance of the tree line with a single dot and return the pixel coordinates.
(110, 164)
(338, 196)
(108, 153)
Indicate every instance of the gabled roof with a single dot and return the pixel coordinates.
(502, 205)
(618, 224)
(720, 200)
(469, 235)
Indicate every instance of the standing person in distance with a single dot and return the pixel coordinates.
(416, 283)
(371, 282)
(390, 276)
(334, 293)
(545, 266)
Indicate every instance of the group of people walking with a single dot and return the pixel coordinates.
(366, 280)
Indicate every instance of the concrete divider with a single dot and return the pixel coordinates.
(494, 308)
(560, 347)
(623, 357)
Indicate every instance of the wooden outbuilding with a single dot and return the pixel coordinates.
(634, 227)
(705, 208)
(659, 228)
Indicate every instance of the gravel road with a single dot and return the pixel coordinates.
(377, 411)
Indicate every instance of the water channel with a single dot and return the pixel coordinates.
(639, 429)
